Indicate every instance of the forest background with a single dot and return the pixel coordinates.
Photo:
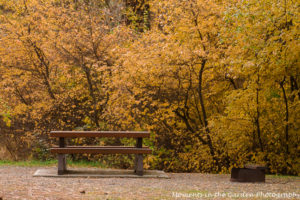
(215, 81)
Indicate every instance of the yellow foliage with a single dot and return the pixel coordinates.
(216, 82)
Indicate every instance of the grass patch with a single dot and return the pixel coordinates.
(28, 163)
(37, 163)
(281, 176)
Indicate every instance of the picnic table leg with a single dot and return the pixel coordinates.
(138, 168)
(139, 165)
(62, 162)
(62, 166)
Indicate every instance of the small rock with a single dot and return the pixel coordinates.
(106, 193)
(82, 192)
(1, 198)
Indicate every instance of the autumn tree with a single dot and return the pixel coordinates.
(216, 82)
(210, 79)
(168, 74)
(264, 54)
(56, 63)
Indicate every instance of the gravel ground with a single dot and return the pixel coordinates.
(18, 183)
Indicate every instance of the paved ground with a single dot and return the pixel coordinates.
(18, 183)
(99, 173)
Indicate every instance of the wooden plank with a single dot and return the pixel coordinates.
(99, 147)
(62, 161)
(101, 150)
(117, 134)
(139, 165)
(62, 164)
(55, 146)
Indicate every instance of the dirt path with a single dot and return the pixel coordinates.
(18, 183)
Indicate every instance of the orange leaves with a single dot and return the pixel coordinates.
(207, 77)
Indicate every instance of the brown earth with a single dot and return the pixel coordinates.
(18, 183)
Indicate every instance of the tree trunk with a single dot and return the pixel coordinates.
(207, 131)
(92, 94)
(286, 130)
(257, 123)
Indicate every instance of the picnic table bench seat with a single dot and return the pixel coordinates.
(101, 150)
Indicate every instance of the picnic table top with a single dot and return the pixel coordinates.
(118, 134)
